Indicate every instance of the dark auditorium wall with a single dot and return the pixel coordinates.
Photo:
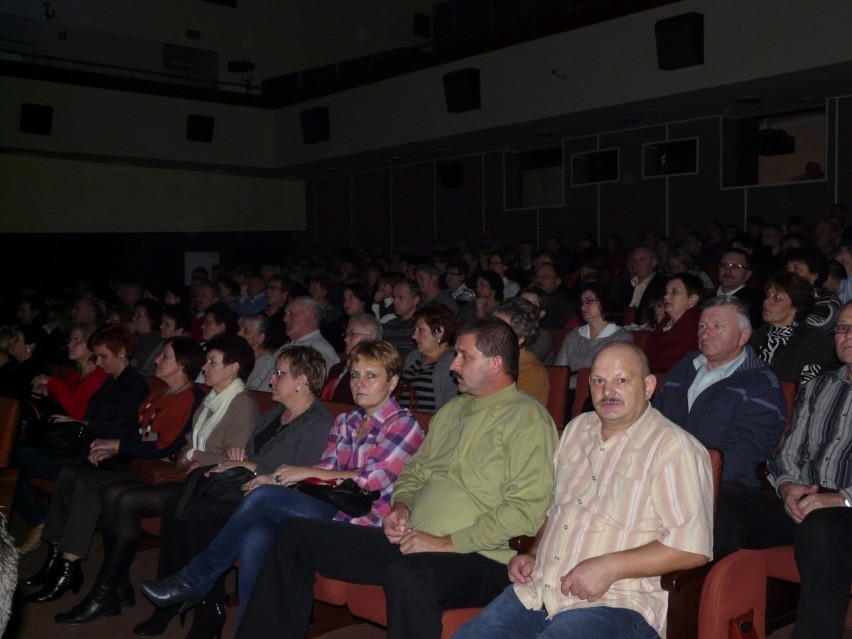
(407, 206)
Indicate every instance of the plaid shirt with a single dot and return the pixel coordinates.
(394, 435)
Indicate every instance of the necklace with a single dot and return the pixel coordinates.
(179, 389)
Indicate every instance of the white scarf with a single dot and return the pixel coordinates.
(213, 408)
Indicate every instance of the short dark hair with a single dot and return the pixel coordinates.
(813, 258)
(692, 284)
(359, 290)
(114, 336)
(495, 338)
(180, 314)
(234, 349)
(798, 289)
(188, 354)
(437, 316)
(603, 291)
(494, 281)
(154, 310)
(460, 265)
(223, 314)
(523, 318)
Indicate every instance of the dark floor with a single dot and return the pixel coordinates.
(35, 621)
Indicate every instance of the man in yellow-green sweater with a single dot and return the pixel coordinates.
(483, 475)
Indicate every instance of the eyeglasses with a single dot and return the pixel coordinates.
(589, 300)
(280, 373)
(213, 363)
(75, 340)
(842, 329)
(351, 334)
(733, 265)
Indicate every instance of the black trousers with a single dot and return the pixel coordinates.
(418, 587)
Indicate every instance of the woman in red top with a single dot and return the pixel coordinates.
(74, 392)
(677, 333)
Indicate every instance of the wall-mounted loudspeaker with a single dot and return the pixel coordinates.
(680, 41)
(461, 90)
(199, 128)
(36, 118)
(315, 125)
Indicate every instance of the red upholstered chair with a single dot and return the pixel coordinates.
(10, 411)
(557, 400)
(733, 598)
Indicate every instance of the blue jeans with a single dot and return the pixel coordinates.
(249, 534)
(507, 618)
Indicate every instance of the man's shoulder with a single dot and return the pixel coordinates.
(661, 427)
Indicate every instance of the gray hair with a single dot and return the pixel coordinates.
(523, 318)
(369, 322)
(311, 307)
(743, 319)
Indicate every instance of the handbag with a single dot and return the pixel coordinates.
(156, 472)
(35, 414)
(61, 440)
(225, 486)
(347, 496)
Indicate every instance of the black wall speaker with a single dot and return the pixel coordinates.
(199, 128)
(680, 41)
(450, 174)
(36, 118)
(461, 90)
(315, 125)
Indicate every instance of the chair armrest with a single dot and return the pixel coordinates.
(679, 580)
(521, 544)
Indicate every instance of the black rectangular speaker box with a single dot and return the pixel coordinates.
(461, 90)
(36, 118)
(680, 41)
(450, 174)
(199, 128)
(315, 126)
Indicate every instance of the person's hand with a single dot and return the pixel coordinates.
(521, 568)
(793, 494)
(221, 467)
(286, 475)
(105, 447)
(419, 541)
(816, 500)
(589, 579)
(97, 456)
(395, 524)
(260, 480)
(236, 454)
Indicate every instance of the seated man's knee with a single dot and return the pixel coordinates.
(409, 571)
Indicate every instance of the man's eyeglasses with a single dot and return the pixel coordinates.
(733, 265)
(842, 329)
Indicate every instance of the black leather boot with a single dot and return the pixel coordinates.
(105, 599)
(207, 621)
(66, 575)
(157, 623)
(53, 556)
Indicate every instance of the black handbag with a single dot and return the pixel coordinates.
(225, 486)
(36, 411)
(347, 496)
(61, 440)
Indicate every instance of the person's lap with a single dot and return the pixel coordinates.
(507, 618)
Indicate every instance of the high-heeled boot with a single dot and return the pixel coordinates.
(64, 576)
(53, 556)
(157, 623)
(207, 621)
(104, 599)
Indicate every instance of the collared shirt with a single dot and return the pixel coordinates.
(379, 455)
(639, 289)
(704, 378)
(722, 293)
(818, 449)
(651, 482)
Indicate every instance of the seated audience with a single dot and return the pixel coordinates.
(255, 299)
(399, 330)
(680, 261)
(111, 413)
(369, 445)
(72, 517)
(523, 317)
(255, 330)
(810, 263)
(489, 293)
(427, 367)
(318, 287)
(361, 328)
(606, 540)
(793, 349)
(219, 319)
(544, 346)
(677, 332)
(734, 274)
(560, 309)
(383, 297)
(499, 263)
(812, 507)
(279, 290)
(302, 322)
(581, 344)
(24, 348)
(724, 395)
(481, 477)
(204, 297)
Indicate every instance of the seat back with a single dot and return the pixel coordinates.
(581, 394)
(789, 388)
(557, 400)
(10, 413)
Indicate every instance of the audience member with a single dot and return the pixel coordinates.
(734, 274)
(427, 367)
(255, 297)
(278, 292)
(677, 333)
(427, 279)
(356, 300)
(646, 283)
(361, 328)
(255, 330)
(810, 263)
(498, 263)
(594, 568)
(302, 321)
(489, 293)
(147, 315)
(25, 347)
(523, 317)
(544, 346)
(399, 330)
(793, 349)
(560, 309)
